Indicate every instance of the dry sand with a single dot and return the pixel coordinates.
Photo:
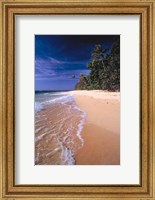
(101, 132)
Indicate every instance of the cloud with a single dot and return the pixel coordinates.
(53, 60)
(51, 68)
(62, 62)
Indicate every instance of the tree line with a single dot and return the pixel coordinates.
(104, 68)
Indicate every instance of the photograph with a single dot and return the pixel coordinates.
(77, 100)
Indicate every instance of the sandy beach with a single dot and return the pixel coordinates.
(101, 131)
(78, 128)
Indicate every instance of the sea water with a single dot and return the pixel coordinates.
(58, 126)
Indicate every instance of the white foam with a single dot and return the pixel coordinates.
(80, 126)
(67, 156)
(38, 107)
(62, 99)
(40, 137)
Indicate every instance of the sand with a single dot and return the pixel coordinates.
(54, 138)
(101, 131)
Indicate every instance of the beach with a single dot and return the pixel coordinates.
(77, 128)
(101, 131)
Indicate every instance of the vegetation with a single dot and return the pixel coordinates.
(104, 70)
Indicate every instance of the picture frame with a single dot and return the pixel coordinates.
(12, 8)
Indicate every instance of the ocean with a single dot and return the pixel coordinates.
(58, 126)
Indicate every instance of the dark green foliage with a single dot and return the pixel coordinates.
(104, 70)
(82, 84)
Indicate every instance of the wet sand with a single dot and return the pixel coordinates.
(101, 131)
(55, 135)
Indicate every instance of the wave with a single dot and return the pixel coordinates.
(81, 123)
(63, 99)
(38, 106)
(67, 156)
(66, 121)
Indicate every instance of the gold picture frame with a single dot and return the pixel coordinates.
(145, 9)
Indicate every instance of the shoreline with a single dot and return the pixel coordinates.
(101, 130)
(97, 138)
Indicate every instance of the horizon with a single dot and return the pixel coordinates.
(52, 90)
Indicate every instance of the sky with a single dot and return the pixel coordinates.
(59, 57)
